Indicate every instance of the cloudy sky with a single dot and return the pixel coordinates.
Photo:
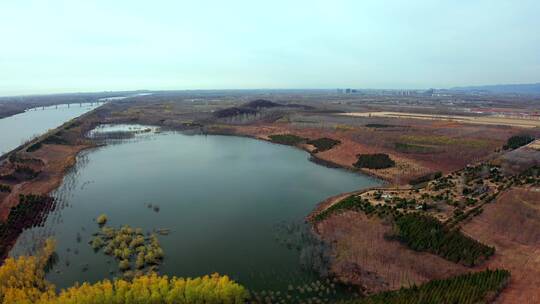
(66, 46)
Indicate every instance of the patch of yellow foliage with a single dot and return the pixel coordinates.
(441, 140)
(340, 127)
(22, 281)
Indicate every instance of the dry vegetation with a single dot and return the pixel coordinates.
(451, 146)
(512, 225)
(483, 120)
(364, 257)
(363, 253)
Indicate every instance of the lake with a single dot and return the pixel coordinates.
(225, 199)
(22, 127)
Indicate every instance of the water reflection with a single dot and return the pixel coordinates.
(20, 128)
(232, 205)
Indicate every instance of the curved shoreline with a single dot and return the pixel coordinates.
(56, 176)
(313, 156)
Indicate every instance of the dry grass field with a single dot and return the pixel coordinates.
(483, 120)
(417, 147)
(56, 160)
(512, 225)
(362, 255)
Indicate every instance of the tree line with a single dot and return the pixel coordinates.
(22, 280)
(472, 288)
(425, 233)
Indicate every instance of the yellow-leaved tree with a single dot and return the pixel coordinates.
(22, 281)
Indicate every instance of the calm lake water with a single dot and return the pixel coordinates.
(19, 128)
(221, 196)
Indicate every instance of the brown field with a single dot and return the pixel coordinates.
(362, 256)
(418, 146)
(519, 159)
(534, 145)
(452, 146)
(483, 120)
(512, 225)
(56, 160)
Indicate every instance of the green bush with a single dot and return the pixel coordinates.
(287, 139)
(518, 141)
(374, 161)
(425, 178)
(5, 188)
(425, 233)
(352, 202)
(34, 147)
(324, 143)
(55, 139)
(472, 288)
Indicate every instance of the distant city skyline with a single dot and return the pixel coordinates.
(61, 46)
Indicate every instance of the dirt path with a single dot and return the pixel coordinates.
(484, 120)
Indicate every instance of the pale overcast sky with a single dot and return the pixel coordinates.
(66, 46)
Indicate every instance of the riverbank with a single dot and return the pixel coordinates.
(350, 234)
(57, 159)
(323, 158)
(47, 157)
(37, 168)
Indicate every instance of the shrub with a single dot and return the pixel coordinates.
(22, 280)
(376, 125)
(126, 243)
(425, 233)
(34, 147)
(354, 203)
(27, 171)
(261, 103)
(287, 139)
(324, 143)
(55, 139)
(101, 219)
(518, 141)
(471, 288)
(234, 111)
(5, 188)
(425, 178)
(374, 161)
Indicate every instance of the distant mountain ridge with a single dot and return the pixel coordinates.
(522, 88)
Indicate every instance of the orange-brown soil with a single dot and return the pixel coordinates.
(512, 225)
(454, 145)
(363, 257)
(486, 120)
(56, 160)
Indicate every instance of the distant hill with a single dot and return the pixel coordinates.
(261, 103)
(526, 88)
(255, 106)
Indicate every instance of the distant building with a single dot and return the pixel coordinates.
(429, 92)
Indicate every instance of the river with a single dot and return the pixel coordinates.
(22, 127)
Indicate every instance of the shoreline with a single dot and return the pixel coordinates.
(313, 156)
(56, 174)
(55, 177)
